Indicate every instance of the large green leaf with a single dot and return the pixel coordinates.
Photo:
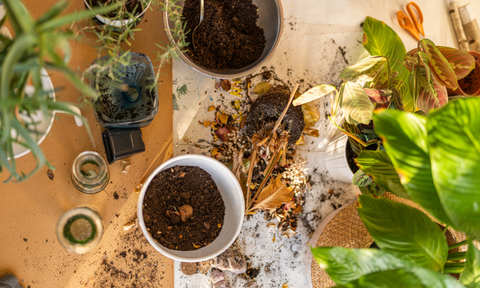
(357, 107)
(344, 265)
(371, 268)
(471, 275)
(405, 140)
(369, 66)
(404, 231)
(455, 155)
(416, 277)
(377, 165)
(381, 40)
(314, 93)
(439, 65)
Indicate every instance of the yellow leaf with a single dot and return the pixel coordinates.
(273, 240)
(274, 195)
(262, 87)
(200, 122)
(236, 104)
(311, 132)
(214, 125)
(301, 140)
(314, 93)
(206, 123)
(251, 213)
(196, 246)
(211, 108)
(223, 118)
(311, 114)
(285, 285)
(214, 151)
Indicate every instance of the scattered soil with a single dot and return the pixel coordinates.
(168, 192)
(228, 36)
(265, 111)
(471, 84)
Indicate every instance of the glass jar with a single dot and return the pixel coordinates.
(80, 229)
(90, 172)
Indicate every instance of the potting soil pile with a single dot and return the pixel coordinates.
(228, 37)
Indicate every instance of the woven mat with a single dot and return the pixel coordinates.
(344, 228)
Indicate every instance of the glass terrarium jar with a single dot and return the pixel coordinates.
(128, 97)
(90, 172)
(80, 229)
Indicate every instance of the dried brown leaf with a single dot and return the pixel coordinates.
(311, 132)
(289, 233)
(311, 114)
(274, 195)
(285, 285)
(301, 140)
(50, 174)
(297, 209)
(262, 87)
(214, 125)
(270, 224)
(226, 84)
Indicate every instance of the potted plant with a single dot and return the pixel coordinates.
(127, 16)
(428, 153)
(26, 89)
(390, 78)
(187, 224)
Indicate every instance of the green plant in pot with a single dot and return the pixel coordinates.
(435, 159)
(24, 97)
(392, 78)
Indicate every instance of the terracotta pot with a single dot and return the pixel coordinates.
(469, 85)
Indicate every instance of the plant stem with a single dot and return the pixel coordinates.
(464, 242)
(456, 256)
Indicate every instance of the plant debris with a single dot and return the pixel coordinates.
(50, 174)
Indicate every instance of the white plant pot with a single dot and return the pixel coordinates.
(232, 196)
(116, 23)
(336, 158)
(43, 124)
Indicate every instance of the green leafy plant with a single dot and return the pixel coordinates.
(109, 38)
(435, 159)
(38, 44)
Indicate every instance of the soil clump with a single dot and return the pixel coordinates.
(266, 110)
(228, 37)
(183, 208)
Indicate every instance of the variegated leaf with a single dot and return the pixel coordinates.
(440, 67)
(357, 107)
(314, 93)
(427, 101)
(379, 97)
(370, 66)
(461, 61)
(361, 179)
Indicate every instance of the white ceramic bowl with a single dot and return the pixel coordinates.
(232, 196)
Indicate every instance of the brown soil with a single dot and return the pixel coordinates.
(228, 36)
(265, 112)
(174, 188)
(471, 84)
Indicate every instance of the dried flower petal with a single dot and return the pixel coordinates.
(206, 123)
(211, 108)
(226, 84)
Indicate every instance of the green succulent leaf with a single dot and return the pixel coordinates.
(355, 103)
(381, 40)
(405, 139)
(404, 231)
(455, 157)
(471, 275)
(377, 165)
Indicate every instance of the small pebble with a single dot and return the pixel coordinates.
(188, 268)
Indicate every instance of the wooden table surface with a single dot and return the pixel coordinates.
(30, 210)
